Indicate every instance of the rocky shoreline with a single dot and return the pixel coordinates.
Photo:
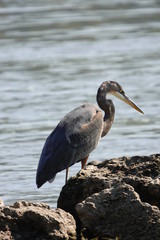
(115, 199)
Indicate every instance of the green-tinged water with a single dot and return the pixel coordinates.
(53, 57)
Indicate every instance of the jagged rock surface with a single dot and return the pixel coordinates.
(133, 214)
(115, 199)
(119, 212)
(26, 220)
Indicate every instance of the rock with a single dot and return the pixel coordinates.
(132, 214)
(116, 199)
(119, 212)
(26, 220)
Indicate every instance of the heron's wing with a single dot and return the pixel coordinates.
(55, 156)
(73, 139)
(85, 138)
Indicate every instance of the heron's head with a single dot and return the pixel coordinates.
(115, 89)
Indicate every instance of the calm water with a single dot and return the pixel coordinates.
(53, 57)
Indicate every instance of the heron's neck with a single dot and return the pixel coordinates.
(108, 107)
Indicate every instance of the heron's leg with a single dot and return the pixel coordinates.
(83, 162)
(66, 174)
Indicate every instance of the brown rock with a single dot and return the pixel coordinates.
(26, 220)
(119, 212)
(141, 177)
(141, 172)
(118, 199)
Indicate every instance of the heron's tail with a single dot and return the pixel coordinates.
(41, 179)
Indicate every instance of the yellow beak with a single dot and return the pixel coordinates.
(127, 100)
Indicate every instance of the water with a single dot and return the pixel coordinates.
(53, 57)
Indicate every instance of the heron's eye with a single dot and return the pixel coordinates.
(121, 91)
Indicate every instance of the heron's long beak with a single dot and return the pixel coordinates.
(127, 100)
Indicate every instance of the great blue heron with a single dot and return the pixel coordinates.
(78, 133)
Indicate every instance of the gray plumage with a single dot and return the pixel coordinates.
(76, 135)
